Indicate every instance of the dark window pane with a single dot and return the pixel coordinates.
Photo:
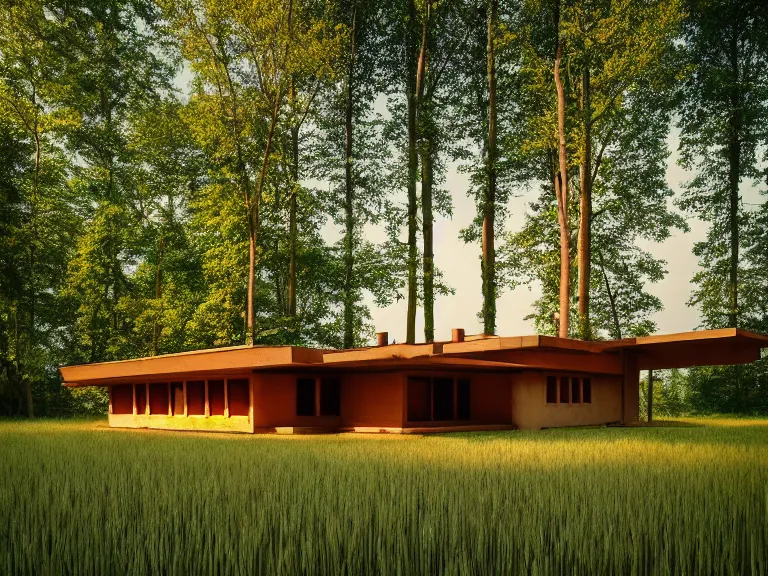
(196, 398)
(216, 397)
(305, 397)
(587, 391)
(330, 397)
(551, 390)
(158, 399)
(238, 397)
(575, 392)
(419, 400)
(564, 389)
(443, 398)
(141, 398)
(462, 400)
(122, 399)
(177, 398)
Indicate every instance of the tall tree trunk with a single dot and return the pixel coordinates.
(427, 217)
(426, 135)
(585, 217)
(489, 202)
(158, 294)
(254, 212)
(562, 190)
(413, 168)
(292, 225)
(349, 197)
(33, 256)
(734, 178)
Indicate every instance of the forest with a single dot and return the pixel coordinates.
(170, 169)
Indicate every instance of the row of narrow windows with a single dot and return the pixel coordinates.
(231, 395)
(438, 399)
(569, 390)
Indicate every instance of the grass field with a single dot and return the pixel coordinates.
(688, 498)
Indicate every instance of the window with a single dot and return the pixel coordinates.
(569, 390)
(141, 398)
(216, 397)
(442, 399)
(158, 399)
(122, 399)
(439, 399)
(551, 390)
(419, 399)
(462, 400)
(330, 397)
(177, 398)
(238, 397)
(305, 397)
(575, 391)
(196, 398)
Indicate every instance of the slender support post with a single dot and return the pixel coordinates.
(186, 409)
(226, 398)
(146, 399)
(170, 400)
(207, 403)
(650, 396)
(110, 399)
(135, 411)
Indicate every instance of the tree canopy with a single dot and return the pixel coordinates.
(184, 174)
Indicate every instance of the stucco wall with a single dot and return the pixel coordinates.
(490, 398)
(372, 400)
(531, 411)
(274, 403)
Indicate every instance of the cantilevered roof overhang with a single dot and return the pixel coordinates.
(701, 348)
(683, 350)
(235, 358)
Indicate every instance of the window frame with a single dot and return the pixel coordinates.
(573, 383)
(461, 414)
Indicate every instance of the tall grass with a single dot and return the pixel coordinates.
(79, 498)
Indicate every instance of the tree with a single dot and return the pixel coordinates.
(723, 112)
(115, 68)
(616, 49)
(38, 214)
(629, 115)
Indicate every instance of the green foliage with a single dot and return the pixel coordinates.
(128, 202)
(724, 108)
(627, 49)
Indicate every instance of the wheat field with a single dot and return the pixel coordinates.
(77, 497)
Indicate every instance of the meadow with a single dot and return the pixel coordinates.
(689, 497)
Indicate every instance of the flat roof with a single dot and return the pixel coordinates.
(682, 350)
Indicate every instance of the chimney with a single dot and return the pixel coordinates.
(382, 338)
(457, 335)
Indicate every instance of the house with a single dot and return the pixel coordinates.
(472, 383)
